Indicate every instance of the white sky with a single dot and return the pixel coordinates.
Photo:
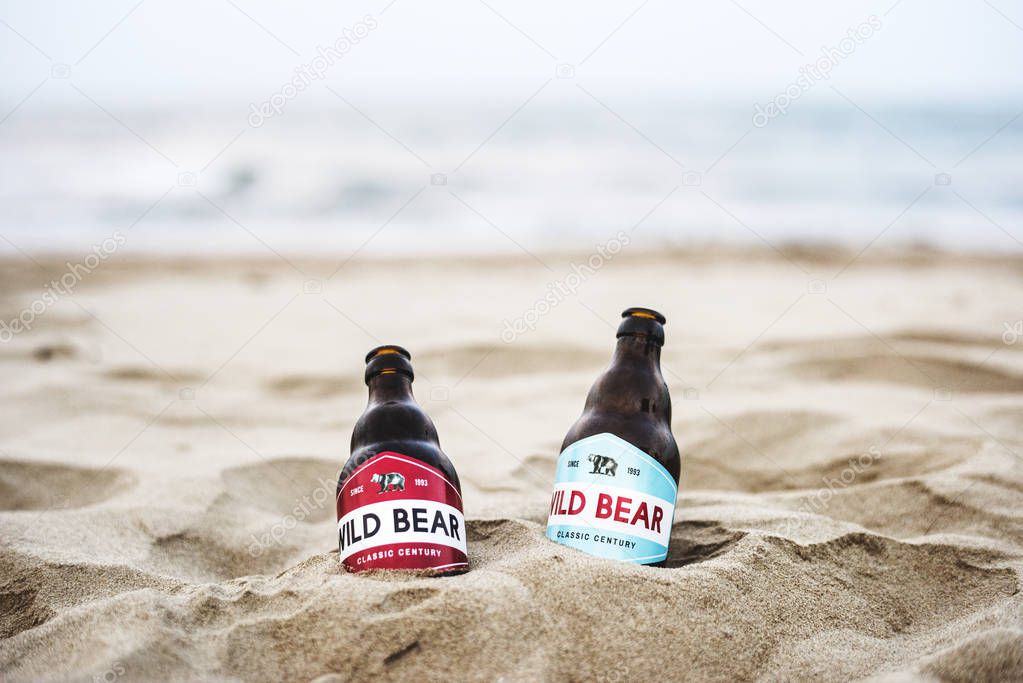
(208, 53)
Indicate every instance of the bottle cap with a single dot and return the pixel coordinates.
(387, 349)
(644, 322)
(388, 359)
(637, 312)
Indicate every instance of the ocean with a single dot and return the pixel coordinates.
(397, 179)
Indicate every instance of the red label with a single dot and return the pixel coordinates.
(396, 512)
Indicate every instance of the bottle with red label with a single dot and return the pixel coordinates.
(617, 475)
(399, 503)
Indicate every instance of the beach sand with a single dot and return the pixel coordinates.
(850, 504)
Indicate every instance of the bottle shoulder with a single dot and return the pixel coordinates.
(424, 451)
(400, 414)
(398, 421)
(647, 433)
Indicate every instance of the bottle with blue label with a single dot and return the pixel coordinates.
(617, 475)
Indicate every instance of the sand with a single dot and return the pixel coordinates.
(850, 504)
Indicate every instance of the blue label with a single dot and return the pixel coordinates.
(612, 500)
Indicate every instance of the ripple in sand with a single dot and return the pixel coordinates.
(994, 655)
(314, 386)
(509, 360)
(913, 370)
(150, 375)
(911, 508)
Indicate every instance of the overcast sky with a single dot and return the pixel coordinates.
(159, 53)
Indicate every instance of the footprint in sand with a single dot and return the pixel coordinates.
(279, 485)
(697, 541)
(406, 598)
(30, 485)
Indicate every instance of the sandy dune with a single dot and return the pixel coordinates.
(851, 503)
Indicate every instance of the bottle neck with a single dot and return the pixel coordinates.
(390, 386)
(632, 386)
(638, 350)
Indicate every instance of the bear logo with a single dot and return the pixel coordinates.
(603, 464)
(389, 482)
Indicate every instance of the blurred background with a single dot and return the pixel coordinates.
(491, 126)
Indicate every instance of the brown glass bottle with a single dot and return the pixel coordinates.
(399, 500)
(619, 468)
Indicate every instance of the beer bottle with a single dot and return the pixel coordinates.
(617, 476)
(399, 503)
